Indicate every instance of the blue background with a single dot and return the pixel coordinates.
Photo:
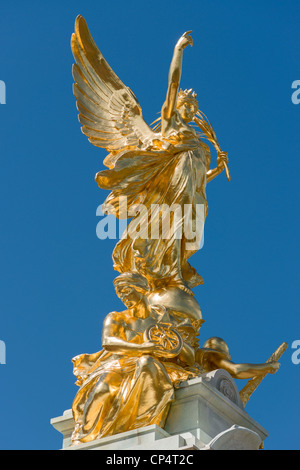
(56, 275)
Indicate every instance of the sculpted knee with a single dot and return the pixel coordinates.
(101, 388)
(146, 361)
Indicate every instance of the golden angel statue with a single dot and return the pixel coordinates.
(165, 166)
(152, 346)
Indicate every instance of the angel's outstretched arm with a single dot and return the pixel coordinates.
(169, 105)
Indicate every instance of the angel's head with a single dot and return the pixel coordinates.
(187, 104)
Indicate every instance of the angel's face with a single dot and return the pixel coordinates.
(187, 111)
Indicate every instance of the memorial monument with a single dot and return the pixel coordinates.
(152, 384)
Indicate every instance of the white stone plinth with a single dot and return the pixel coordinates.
(207, 414)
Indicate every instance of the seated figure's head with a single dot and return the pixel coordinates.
(179, 302)
(217, 344)
(131, 288)
(187, 104)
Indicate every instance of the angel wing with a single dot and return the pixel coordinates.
(109, 112)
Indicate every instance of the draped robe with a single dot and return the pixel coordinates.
(122, 392)
(174, 177)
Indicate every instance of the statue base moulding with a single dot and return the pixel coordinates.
(207, 414)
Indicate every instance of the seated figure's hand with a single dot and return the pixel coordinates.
(149, 348)
(273, 367)
(156, 349)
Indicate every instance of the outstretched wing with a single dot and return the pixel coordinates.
(109, 112)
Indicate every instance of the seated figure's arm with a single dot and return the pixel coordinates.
(113, 334)
(245, 371)
(187, 354)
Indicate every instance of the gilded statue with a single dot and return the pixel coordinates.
(165, 167)
(130, 383)
(153, 345)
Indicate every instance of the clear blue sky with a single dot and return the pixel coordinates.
(56, 275)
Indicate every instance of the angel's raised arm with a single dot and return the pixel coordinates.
(169, 105)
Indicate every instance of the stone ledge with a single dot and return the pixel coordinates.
(207, 414)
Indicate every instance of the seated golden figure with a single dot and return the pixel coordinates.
(130, 383)
(148, 350)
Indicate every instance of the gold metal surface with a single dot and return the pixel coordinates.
(254, 382)
(214, 354)
(170, 341)
(163, 167)
(130, 383)
(152, 346)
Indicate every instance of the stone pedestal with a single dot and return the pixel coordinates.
(207, 414)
